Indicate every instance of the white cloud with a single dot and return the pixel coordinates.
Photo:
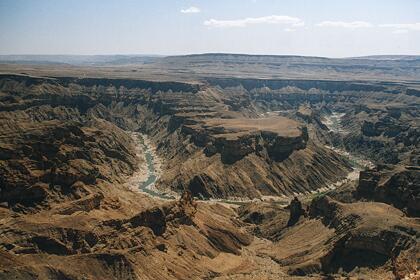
(289, 30)
(274, 19)
(191, 10)
(343, 24)
(403, 26)
(400, 31)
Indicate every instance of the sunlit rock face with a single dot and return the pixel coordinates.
(396, 185)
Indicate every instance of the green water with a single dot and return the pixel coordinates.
(152, 178)
(151, 170)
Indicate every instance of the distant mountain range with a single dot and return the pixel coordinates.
(102, 60)
(80, 60)
(197, 66)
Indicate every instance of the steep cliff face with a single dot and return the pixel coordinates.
(233, 139)
(363, 237)
(54, 160)
(395, 185)
(254, 175)
(289, 94)
(379, 120)
(242, 157)
(168, 241)
(396, 134)
(53, 150)
(346, 239)
(275, 84)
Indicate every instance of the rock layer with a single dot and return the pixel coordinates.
(396, 185)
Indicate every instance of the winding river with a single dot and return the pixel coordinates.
(146, 184)
(334, 124)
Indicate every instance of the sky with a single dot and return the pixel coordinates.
(331, 28)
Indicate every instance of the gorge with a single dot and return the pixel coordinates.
(122, 174)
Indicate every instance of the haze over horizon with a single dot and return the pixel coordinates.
(263, 27)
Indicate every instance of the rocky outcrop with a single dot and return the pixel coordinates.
(279, 148)
(159, 218)
(331, 86)
(85, 204)
(388, 134)
(268, 220)
(395, 185)
(296, 211)
(342, 239)
(386, 126)
(232, 149)
(106, 244)
(363, 237)
(254, 174)
(214, 151)
(51, 159)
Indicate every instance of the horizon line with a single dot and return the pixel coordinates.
(208, 53)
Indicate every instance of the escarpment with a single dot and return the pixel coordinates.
(233, 139)
(387, 134)
(395, 185)
(53, 160)
(251, 157)
(179, 235)
(363, 235)
(340, 237)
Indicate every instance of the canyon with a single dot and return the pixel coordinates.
(182, 169)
